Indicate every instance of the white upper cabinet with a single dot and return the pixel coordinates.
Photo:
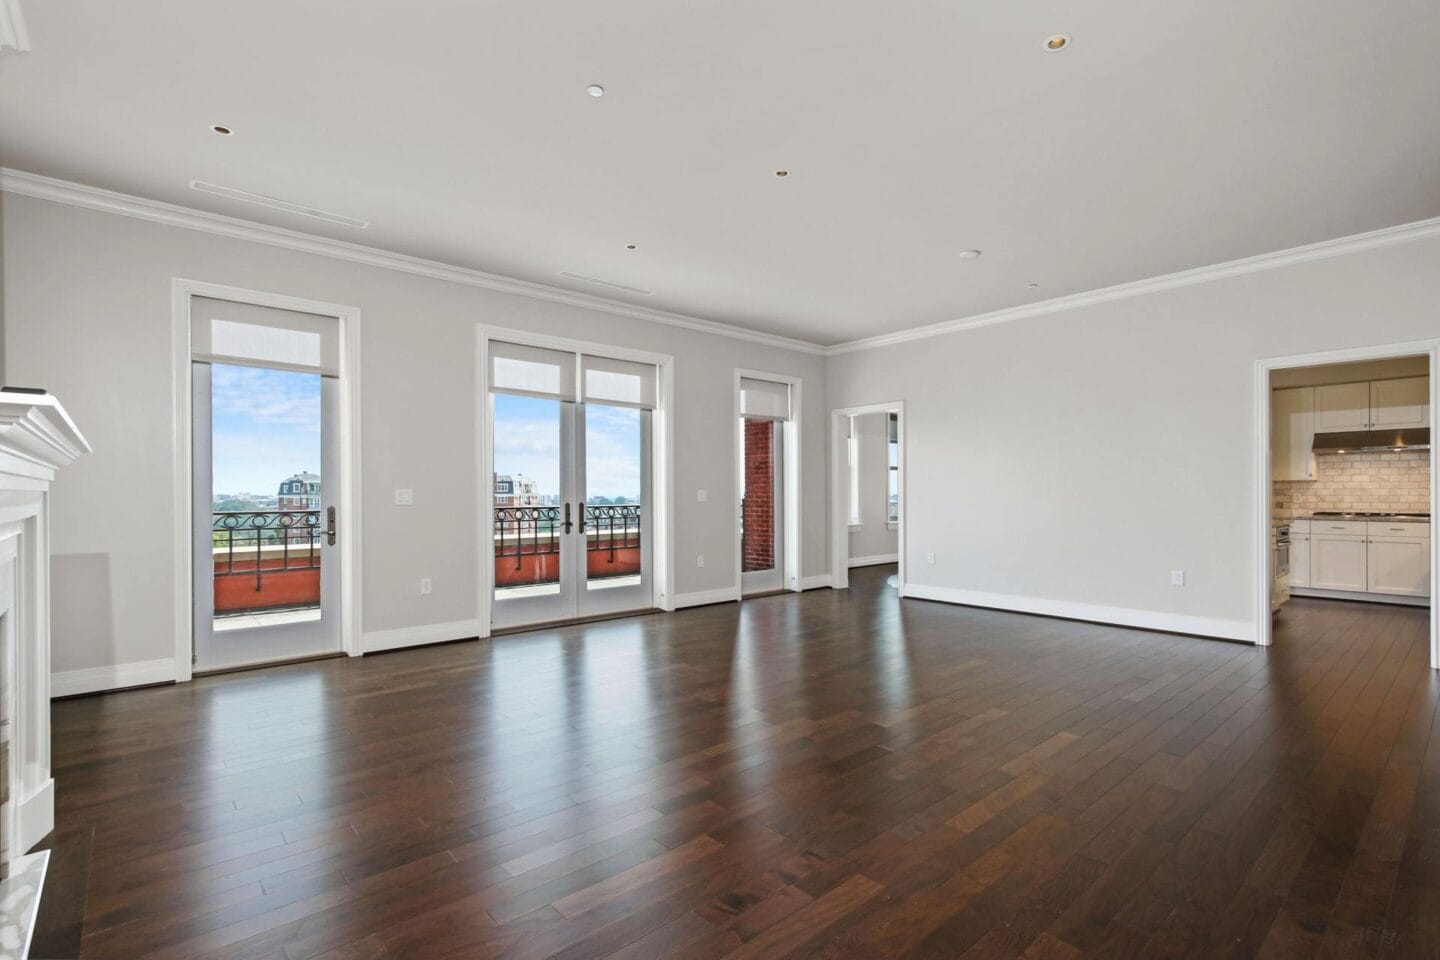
(1397, 404)
(1292, 432)
(1342, 406)
(1372, 405)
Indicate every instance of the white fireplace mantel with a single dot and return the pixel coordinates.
(37, 438)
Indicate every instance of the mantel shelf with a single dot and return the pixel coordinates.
(35, 429)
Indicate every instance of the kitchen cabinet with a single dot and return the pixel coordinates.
(1299, 559)
(1342, 406)
(1398, 404)
(1292, 433)
(1398, 559)
(1372, 405)
(1338, 562)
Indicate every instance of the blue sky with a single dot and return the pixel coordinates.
(266, 426)
(527, 441)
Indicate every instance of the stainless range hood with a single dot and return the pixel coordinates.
(1361, 441)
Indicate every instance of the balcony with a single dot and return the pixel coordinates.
(527, 545)
(265, 561)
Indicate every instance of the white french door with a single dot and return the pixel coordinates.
(265, 479)
(572, 494)
(764, 412)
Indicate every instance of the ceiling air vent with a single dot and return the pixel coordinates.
(244, 196)
(606, 283)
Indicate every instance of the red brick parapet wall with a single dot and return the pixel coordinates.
(757, 549)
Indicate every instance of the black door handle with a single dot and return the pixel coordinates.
(567, 517)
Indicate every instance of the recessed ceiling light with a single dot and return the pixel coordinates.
(1058, 42)
(629, 246)
(782, 173)
(223, 131)
(1032, 286)
(595, 90)
(969, 254)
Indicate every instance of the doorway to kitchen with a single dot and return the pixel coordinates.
(1347, 483)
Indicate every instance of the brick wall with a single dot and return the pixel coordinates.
(757, 548)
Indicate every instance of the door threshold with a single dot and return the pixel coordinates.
(551, 624)
(764, 593)
(265, 664)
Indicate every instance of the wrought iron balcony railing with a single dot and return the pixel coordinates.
(259, 542)
(527, 535)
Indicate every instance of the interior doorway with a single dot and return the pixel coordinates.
(867, 489)
(1347, 483)
(569, 448)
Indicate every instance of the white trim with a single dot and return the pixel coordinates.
(790, 476)
(12, 27)
(1263, 489)
(351, 605)
(874, 560)
(1388, 236)
(662, 443)
(1068, 610)
(93, 198)
(402, 637)
(840, 564)
(817, 582)
(35, 817)
(702, 597)
(117, 676)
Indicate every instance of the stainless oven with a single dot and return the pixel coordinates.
(1279, 565)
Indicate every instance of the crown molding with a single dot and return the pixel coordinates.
(26, 184)
(1388, 236)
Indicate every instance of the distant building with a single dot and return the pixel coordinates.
(299, 492)
(516, 491)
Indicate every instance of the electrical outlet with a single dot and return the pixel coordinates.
(702, 496)
(404, 498)
(700, 560)
(1177, 578)
(930, 558)
(426, 587)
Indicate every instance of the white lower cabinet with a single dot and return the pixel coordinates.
(1338, 562)
(1300, 560)
(1384, 558)
(1399, 567)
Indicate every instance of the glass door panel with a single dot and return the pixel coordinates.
(266, 576)
(615, 472)
(533, 513)
(761, 503)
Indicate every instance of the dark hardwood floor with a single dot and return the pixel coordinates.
(827, 775)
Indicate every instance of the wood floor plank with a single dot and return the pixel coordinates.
(835, 774)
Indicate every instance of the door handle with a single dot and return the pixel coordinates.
(568, 523)
(582, 518)
(330, 525)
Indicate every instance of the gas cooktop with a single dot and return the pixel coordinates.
(1362, 515)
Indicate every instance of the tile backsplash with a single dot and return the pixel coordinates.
(1381, 482)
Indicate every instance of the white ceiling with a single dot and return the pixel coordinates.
(1170, 135)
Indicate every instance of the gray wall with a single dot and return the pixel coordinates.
(873, 538)
(89, 315)
(1081, 456)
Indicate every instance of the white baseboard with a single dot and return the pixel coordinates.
(117, 677)
(701, 597)
(1070, 610)
(374, 641)
(875, 560)
(1359, 597)
(35, 817)
(816, 582)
